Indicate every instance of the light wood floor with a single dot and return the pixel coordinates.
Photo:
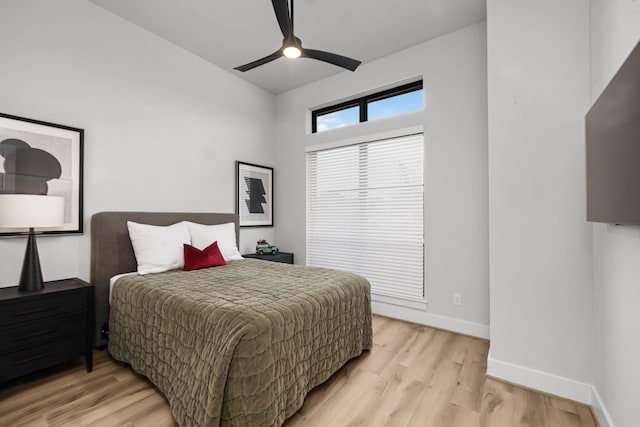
(413, 376)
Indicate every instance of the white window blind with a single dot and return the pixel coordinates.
(365, 213)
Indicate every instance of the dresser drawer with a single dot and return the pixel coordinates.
(38, 308)
(22, 362)
(28, 335)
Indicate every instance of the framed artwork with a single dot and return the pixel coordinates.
(254, 195)
(44, 159)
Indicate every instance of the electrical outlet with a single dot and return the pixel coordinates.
(457, 298)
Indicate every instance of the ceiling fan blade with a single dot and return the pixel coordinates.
(332, 58)
(261, 61)
(281, 8)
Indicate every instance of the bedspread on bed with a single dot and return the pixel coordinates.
(242, 344)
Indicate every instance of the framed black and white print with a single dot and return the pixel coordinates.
(254, 195)
(43, 159)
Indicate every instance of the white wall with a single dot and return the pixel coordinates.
(162, 127)
(540, 242)
(456, 213)
(615, 31)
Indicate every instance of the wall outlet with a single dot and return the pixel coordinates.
(457, 298)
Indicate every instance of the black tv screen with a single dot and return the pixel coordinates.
(613, 148)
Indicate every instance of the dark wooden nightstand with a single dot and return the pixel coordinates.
(43, 328)
(284, 257)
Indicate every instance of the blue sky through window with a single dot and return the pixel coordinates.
(338, 119)
(395, 105)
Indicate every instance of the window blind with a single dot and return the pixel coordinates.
(365, 213)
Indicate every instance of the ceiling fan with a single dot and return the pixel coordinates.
(292, 46)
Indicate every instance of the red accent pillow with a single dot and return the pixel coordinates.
(195, 259)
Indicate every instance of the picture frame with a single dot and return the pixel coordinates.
(254, 195)
(38, 157)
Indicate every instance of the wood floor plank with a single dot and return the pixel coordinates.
(468, 392)
(436, 399)
(321, 398)
(529, 407)
(425, 366)
(382, 389)
(414, 351)
(497, 407)
(413, 376)
(398, 410)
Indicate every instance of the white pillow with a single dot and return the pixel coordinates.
(225, 234)
(158, 248)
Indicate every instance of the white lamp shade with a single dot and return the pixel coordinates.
(31, 211)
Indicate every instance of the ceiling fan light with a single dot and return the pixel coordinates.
(291, 52)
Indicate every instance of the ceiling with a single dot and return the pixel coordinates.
(234, 32)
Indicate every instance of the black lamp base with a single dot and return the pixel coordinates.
(31, 276)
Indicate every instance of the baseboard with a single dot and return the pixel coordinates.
(551, 384)
(542, 381)
(600, 410)
(429, 319)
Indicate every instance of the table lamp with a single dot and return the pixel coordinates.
(31, 211)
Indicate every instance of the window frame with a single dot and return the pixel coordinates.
(363, 102)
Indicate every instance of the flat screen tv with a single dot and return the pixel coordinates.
(613, 148)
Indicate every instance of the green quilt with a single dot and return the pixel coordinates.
(242, 344)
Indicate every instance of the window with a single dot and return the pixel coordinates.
(399, 100)
(365, 213)
(394, 105)
(337, 119)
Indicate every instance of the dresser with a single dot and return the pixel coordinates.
(44, 328)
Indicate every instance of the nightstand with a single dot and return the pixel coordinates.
(43, 328)
(284, 257)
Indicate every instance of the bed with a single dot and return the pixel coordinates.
(238, 345)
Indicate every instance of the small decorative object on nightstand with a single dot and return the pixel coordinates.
(44, 328)
(284, 257)
(263, 247)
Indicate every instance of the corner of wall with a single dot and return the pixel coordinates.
(551, 384)
(599, 409)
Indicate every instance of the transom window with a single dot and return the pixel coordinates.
(391, 102)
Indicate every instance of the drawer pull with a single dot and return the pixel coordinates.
(34, 358)
(35, 334)
(37, 310)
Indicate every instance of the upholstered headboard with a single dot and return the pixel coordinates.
(112, 253)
